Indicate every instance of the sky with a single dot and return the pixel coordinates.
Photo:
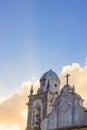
(39, 35)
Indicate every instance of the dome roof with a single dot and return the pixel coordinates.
(50, 75)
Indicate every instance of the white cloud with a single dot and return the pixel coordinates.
(5, 127)
(13, 109)
(26, 86)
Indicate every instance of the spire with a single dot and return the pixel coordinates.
(48, 85)
(31, 91)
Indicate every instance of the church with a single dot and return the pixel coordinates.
(55, 109)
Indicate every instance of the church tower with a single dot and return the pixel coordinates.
(40, 105)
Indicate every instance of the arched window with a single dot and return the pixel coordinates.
(37, 116)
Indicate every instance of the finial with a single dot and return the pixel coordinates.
(31, 91)
(73, 88)
(67, 78)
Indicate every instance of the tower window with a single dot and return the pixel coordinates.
(55, 85)
(43, 84)
(37, 115)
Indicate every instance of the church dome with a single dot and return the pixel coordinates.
(49, 80)
(50, 75)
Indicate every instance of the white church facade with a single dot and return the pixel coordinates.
(52, 108)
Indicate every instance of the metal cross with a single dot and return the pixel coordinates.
(67, 78)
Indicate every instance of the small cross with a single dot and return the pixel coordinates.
(67, 78)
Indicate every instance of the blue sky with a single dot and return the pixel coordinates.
(38, 35)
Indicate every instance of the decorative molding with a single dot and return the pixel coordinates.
(65, 107)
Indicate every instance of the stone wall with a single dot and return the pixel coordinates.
(77, 128)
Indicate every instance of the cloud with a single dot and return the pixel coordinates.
(5, 127)
(13, 109)
(26, 86)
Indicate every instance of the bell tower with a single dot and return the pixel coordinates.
(40, 105)
(37, 110)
